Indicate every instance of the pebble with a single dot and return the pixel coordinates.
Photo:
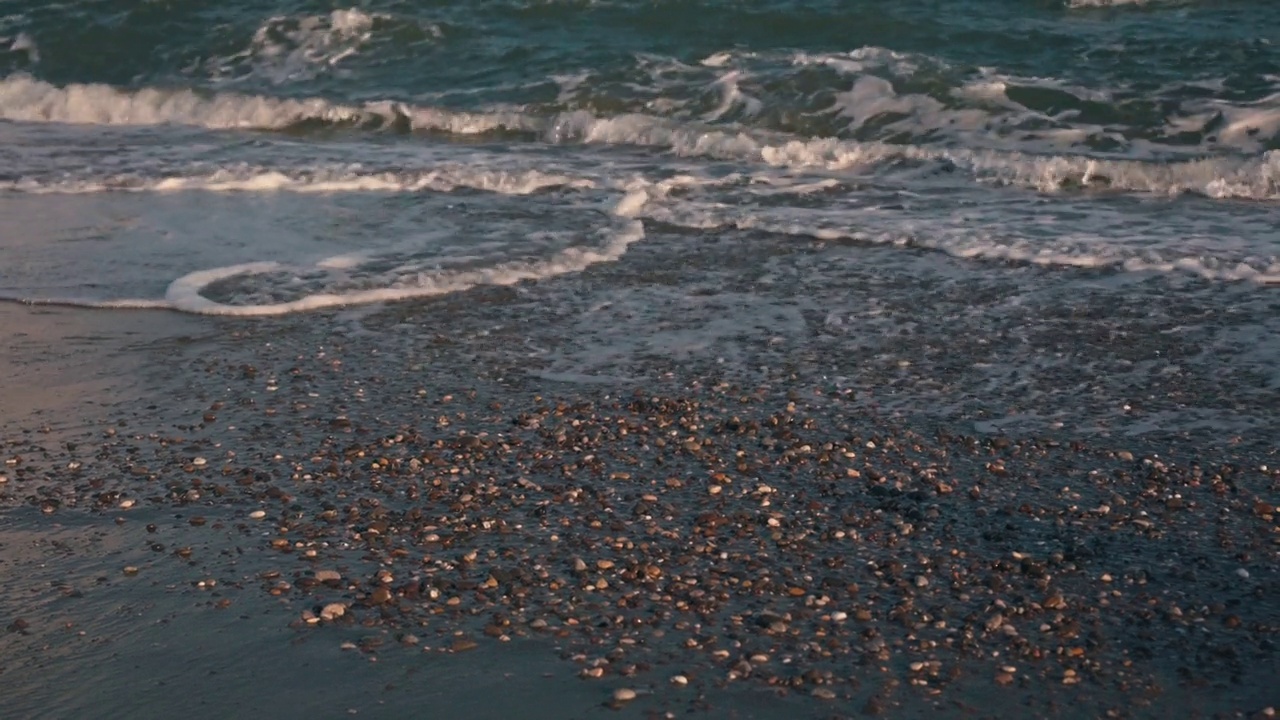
(258, 514)
(824, 693)
(1244, 574)
(624, 695)
(333, 611)
(679, 680)
(328, 576)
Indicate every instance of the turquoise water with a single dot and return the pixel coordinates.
(268, 158)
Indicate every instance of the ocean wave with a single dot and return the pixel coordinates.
(1256, 178)
(322, 180)
(189, 293)
(287, 48)
(655, 202)
(25, 99)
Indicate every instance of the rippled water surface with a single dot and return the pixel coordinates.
(252, 158)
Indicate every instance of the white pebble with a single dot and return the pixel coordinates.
(199, 461)
(258, 514)
(624, 695)
(839, 616)
(126, 504)
(1242, 573)
(679, 680)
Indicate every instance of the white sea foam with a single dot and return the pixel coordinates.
(26, 99)
(185, 293)
(23, 43)
(323, 180)
(733, 97)
(287, 48)
(1258, 178)
(952, 236)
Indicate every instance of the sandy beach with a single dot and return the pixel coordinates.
(213, 517)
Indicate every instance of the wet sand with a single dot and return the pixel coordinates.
(359, 513)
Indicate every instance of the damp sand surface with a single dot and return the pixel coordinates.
(304, 517)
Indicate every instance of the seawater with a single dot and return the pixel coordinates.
(150, 151)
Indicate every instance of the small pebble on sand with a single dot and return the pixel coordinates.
(624, 695)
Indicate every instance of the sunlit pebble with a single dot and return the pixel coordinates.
(130, 570)
(624, 695)
(1244, 574)
(199, 461)
(839, 616)
(679, 680)
(126, 504)
(258, 514)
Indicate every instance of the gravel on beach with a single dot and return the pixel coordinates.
(687, 546)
